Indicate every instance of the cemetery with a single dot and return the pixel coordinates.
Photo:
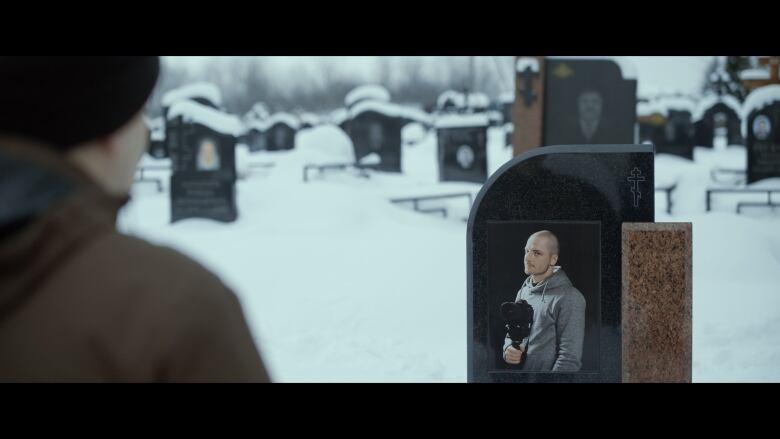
(382, 203)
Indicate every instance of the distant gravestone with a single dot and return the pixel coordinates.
(718, 117)
(375, 128)
(203, 93)
(202, 145)
(582, 194)
(588, 101)
(255, 140)
(280, 132)
(462, 147)
(762, 124)
(676, 135)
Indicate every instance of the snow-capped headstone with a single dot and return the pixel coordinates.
(676, 136)
(588, 101)
(202, 144)
(375, 127)
(762, 119)
(718, 116)
(203, 93)
(255, 136)
(583, 194)
(462, 147)
(280, 132)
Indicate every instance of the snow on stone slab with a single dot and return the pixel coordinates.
(309, 118)
(460, 100)
(416, 115)
(457, 98)
(752, 74)
(386, 108)
(627, 69)
(477, 100)
(284, 118)
(757, 100)
(192, 112)
(664, 104)
(712, 99)
(524, 63)
(367, 92)
(371, 159)
(191, 91)
(325, 144)
(462, 120)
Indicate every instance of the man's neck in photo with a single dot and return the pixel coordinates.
(539, 278)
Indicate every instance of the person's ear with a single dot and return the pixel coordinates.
(553, 260)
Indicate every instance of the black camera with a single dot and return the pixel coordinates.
(518, 316)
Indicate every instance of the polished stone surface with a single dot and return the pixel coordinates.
(610, 184)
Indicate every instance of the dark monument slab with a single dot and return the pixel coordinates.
(202, 145)
(375, 128)
(650, 127)
(255, 139)
(583, 194)
(677, 135)
(280, 132)
(462, 147)
(202, 93)
(763, 135)
(588, 101)
(718, 119)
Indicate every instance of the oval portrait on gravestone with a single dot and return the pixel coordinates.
(762, 127)
(589, 105)
(208, 155)
(465, 156)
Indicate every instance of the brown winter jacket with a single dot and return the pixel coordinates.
(81, 302)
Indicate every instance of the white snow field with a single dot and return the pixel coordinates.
(339, 284)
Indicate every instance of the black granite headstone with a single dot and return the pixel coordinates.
(256, 140)
(204, 172)
(280, 137)
(588, 102)
(719, 119)
(677, 135)
(377, 133)
(462, 148)
(763, 142)
(583, 194)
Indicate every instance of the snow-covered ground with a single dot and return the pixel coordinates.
(339, 284)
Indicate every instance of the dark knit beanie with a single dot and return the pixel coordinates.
(67, 100)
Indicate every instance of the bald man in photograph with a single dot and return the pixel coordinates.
(558, 330)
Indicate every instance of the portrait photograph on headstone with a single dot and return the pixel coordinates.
(544, 295)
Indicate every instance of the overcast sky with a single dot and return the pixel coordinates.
(670, 73)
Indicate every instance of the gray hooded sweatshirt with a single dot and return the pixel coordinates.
(558, 330)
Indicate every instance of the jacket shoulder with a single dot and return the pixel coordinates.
(123, 260)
